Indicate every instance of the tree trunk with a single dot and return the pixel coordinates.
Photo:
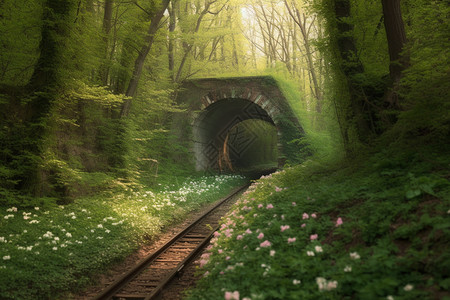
(188, 47)
(107, 25)
(297, 17)
(351, 66)
(171, 47)
(140, 60)
(46, 78)
(396, 38)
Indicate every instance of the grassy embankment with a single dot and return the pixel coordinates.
(377, 228)
(48, 251)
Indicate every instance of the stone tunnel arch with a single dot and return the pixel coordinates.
(215, 105)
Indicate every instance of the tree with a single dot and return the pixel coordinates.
(140, 60)
(301, 21)
(47, 77)
(107, 26)
(396, 39)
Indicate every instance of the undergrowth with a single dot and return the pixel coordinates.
(47, 251)
(372, 229)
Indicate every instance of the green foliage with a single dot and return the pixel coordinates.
(425, 84)
(19, 39)
(321, 137)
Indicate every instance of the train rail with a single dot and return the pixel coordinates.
(153, 273)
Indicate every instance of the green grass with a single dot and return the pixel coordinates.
(393, 242)
(46, 252)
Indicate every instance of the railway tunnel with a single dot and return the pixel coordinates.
(240, 125)
(234, 134)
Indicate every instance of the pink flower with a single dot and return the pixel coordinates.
(227, 258)
(261, 235)
(269, 206)
(294, 204)
(277, 189)
(248, 231)
(313, 215)
(239, 237)
(284, 227)
(232, 295)
(260, 205)
(305, 216)
(303, 225)
(266, 243)
(216, 234)
(203, 262)
(220, 251)
(313, 237)
(291, 240)
(339, 222)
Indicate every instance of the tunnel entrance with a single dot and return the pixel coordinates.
(235, 135)
(250, 145)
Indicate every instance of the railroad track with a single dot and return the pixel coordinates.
(153, 273)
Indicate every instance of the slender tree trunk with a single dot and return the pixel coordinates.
(171, 46)
(140, 60)
(396, 38)
(301, 22)
(107, 25)
(188, 47)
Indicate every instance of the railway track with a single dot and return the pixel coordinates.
(153, 273)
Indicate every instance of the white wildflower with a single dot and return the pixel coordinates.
(408, 287)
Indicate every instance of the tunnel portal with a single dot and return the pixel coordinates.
(237, 123)
(224, 139)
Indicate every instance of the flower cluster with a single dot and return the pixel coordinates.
(326, 285)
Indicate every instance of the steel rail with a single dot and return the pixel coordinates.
(155, 293)
(117, 285)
